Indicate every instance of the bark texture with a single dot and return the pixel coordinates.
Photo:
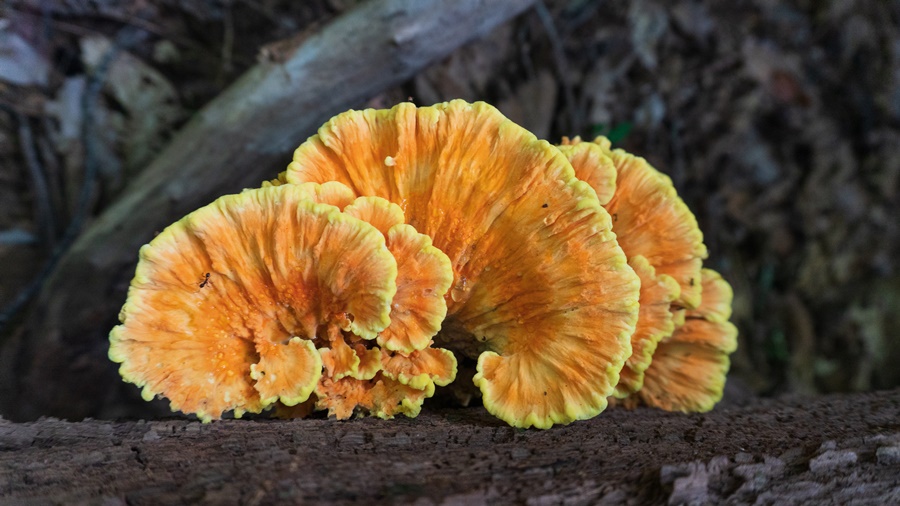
(829, 450)
(58, 360)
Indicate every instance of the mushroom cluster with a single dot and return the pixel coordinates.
(287, 295)
(571, 275)
(683, 338)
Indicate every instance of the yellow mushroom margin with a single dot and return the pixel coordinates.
(592, 165)
(542, 293)
(227, 304)
(331, 193)
(689, 368)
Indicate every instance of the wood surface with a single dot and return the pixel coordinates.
(827, 450)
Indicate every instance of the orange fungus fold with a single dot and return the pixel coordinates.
(649, 218)
(655, 322)
(567, 276)
(541, 292)
(299, 301)
(359, 375)
(280, 268)
(689, 368)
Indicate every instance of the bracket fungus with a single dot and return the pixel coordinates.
(296, 296)
(649, 218)
(398, 374)
(655, 322)
(569, 275)
(689, 367)
(542, 293)
(659, 235)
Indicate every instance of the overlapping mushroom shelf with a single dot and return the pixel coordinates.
(396, 238)
(315, 299)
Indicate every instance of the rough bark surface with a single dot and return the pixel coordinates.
(240, 139)
(837, 449)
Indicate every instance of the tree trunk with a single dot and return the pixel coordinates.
(836, 449)
(57, 365)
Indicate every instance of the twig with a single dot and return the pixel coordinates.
(127, 36)
(561, 64)
(42, 203)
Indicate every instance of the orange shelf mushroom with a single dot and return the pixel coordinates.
(397, 375)
(649, 218)
(297, 295)
(542, 293)
(658, 234)
(280, 267)
(689, 368)
(655, 322)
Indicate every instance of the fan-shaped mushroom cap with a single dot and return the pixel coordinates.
(688, 369)
(424, 276)
(539, 279)
(402, 384)
(654, 323)
(280, 266)
(375, 211)
(424, 273)
(592, 166)
(421, 369)
(649, 218)
(360, 376)
(331, 193)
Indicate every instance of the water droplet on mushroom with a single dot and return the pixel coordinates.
(460, 289)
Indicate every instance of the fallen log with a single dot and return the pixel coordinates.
(56, 363)
(837, 449)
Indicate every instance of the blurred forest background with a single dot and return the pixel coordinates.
(779, 123)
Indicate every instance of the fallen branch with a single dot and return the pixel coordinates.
(245, 135)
